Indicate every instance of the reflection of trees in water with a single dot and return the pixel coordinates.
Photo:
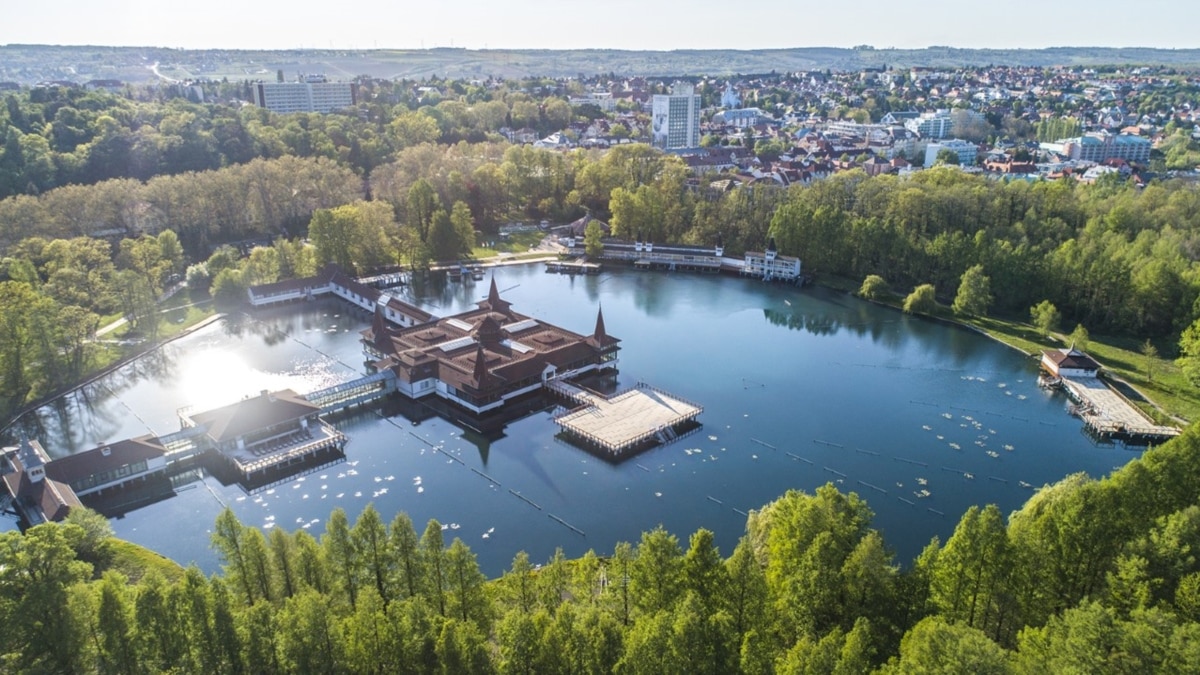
(92, 412)
(860, 323)
(647, 294)
(815, 324)
(235, 325)
(271, 332)
(589, 283)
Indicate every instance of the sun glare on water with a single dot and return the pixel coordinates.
(215, 377)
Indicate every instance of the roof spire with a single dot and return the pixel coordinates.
(379, 327)
(481, 371)
(493, 302)
(600, 334)
(493, 294)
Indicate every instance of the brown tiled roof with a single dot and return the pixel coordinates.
(51, 498)
(1071, 358)
(259, 412)
(73, 468)
(419, 352)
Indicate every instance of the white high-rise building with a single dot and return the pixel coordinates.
(314, 94)
(675, 118)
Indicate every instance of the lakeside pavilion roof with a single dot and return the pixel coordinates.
(484, 350)
(267, 410)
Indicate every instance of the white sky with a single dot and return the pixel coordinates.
(616, 24)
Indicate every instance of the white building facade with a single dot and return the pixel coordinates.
(318, 96)
(966, 151)
(675, 118)
(1099, 146)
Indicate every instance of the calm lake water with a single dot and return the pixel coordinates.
(799, 386)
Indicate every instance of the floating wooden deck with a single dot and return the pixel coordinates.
(1111, 416)
(627, 421)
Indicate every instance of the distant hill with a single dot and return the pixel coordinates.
(29, 64)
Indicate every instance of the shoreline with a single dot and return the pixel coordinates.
(108, 369)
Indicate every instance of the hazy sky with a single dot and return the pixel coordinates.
(617, 24)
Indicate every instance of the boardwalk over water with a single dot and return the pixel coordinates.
(1110, 415)
(628, 420)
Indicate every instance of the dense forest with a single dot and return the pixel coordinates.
(1088, 576)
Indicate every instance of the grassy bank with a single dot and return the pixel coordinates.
(136, 561)
(517, 242)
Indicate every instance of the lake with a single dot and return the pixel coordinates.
(799, 386)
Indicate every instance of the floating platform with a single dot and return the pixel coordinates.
(1111, 416)
(626, 422)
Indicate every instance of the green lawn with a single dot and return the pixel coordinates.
(519, 242)
(135, 561)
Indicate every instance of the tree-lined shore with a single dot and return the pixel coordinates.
(1089, 575)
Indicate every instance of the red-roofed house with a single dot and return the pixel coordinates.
(1069, 362)
(37, 497)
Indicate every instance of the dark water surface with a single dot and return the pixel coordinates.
(799, 388)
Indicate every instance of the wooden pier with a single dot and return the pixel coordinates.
(626, 422)
(572, 267)
(1109, 415)
(257, 461)
(671, 263)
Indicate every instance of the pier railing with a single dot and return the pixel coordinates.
(330, 438)
(644, 385)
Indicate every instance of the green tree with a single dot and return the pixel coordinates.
(971, 580)
(1189, 352)
(873, 287)
(947, 156)
(518, 584)
(466, 598)
(229, 288)
(1079, 338)
(704, 574)
(423, 204)
(464, 227)
(656, 580)
(974, 293)
(283, 563)
(228, 539)
(378, 559)
(405, 547)
(923, 300)
(158, 626)
(935, 646)
(433, 561)
(1045, 317)
(115, 625)
(648, 647)
(309, 641)
(592, 235)
(344, 560)
(443, 240)
(746, 592)
(1150, 359)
